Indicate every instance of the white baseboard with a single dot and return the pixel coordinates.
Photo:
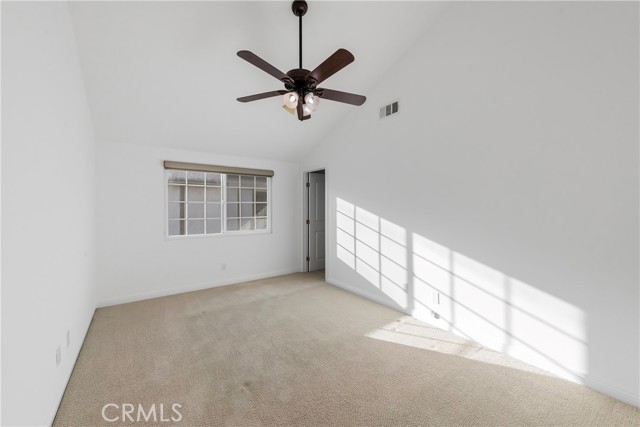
(197, 287)
(600, 386)
(69, 367)
(368, 295)
(616, 393)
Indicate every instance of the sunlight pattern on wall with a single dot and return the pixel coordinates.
(457, 293)
(375, 248)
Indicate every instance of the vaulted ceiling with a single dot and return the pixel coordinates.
(167, 74)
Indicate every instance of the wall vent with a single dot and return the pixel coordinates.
(388, 110)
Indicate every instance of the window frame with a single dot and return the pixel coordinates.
(223, 202)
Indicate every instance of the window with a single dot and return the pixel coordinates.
(204, 203)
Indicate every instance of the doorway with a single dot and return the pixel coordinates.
(315, 220)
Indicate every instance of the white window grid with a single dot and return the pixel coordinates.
(261, 209)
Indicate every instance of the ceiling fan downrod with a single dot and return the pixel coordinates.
(299, 8)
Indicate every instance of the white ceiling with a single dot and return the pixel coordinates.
(167, 74)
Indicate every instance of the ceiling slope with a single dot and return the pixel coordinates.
(166, 73)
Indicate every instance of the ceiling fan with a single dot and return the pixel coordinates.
(301, 93)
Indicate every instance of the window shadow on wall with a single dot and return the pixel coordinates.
(459, 294)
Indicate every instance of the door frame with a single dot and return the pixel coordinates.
(305, 215)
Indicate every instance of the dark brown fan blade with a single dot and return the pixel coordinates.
(336, 62)
(261, 96)
(254, 59)
(336, 95)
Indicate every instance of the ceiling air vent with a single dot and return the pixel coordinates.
(388, 110)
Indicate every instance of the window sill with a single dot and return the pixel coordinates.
(216, 236)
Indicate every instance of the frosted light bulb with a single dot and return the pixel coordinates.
(311, 101)
(306, 109)
(291, 99)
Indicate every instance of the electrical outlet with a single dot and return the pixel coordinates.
(68, 338)
(223, 267)
(58, 356)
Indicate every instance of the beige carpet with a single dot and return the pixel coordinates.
(294, 351)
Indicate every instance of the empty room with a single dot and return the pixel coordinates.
(320, 213)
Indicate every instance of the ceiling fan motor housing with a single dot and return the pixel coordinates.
(301, 82)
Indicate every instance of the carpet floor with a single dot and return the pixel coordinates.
(295, 351)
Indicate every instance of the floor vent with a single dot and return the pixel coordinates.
(388, 110)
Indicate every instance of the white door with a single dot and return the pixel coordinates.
(316, 221)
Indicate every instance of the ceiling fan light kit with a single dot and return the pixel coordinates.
(302, 94)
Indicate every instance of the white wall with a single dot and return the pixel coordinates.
(507, 183)
(136, 260)
(48, 226)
